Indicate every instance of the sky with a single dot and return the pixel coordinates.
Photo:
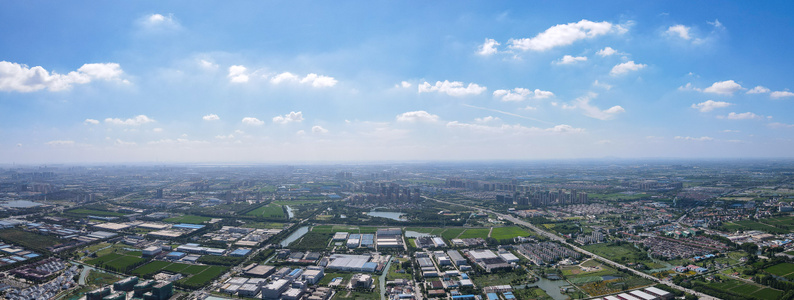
(325, 81)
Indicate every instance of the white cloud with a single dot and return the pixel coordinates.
(781, 94)
(697, 139)
(157, 130)
(710, 105)
(778, 125)
(211, 117)
(741, 116)
(60, 143)
(252, 121)
(417, 116)
(91, 122)
(313, 79)
(602, 85)
(319, 80)
(135, 121)
(680, 31)
(488, 48)
(405, 84)
(20, 78)
(301, 132)
(521, 94)
(225, 137)
(486, 120)
(119, 142)
(727, 87)
(238, 74)
(565, 34)
(319, 129)
(758, 90)
(454, 88)
(583, 103)
(283, 77)
(205, 64)
(159, 22)
(568, 59)
(606, 52)
(730, 131)
(513, 129)
(626, 67)
(289, 118)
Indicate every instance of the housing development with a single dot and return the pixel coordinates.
(464, 231)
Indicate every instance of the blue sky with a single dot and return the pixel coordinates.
(280, 81)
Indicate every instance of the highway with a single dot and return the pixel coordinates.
(557, 238)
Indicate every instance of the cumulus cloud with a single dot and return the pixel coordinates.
(313, 79)
(602, 85)
(592, 111)
(607, 52)
(404, 84)
(211, 117)
(710, 105)
(758, 90)
(158, 22)
(521, 94)
(206, 64)
(488, 48)
(565, 34)
(91, 122)
(238, 74)
(568, 59)
(417, 116)
(781, 94)
(252, 121)
(697, 139)
(319, 129)
(680, 31)
(513, 129)
(20, 78)
(135, 121)
(626, 67)
(741, 116)
(454, 88)
(289, 118)
(727, 87)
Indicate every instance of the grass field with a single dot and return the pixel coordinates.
(475, 233)
(28, 239)
(196, 275)
(619, 253)
(92, 212)
(296, 202)
(745, 225)
(115, 261)
(190, 219)
(782, 270)
(264, 225)
(617, 196)
(268, 211)
(502, 233)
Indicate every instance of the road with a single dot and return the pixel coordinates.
(559, 239)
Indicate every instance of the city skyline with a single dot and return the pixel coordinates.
(307, 81)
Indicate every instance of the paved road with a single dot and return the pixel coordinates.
(557, 238)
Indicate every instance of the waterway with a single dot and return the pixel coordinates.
(290, 215)
(382, 280)
(551, 287)
(294, 236)
(388, 215)
(20, 204)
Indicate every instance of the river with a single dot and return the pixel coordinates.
(294, 236)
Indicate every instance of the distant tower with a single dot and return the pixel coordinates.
(159, 194)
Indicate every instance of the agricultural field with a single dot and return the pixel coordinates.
(613, 285)
(268, 211)
(618, 196)
(531, 293)
(296, 202)
(263, 225)
(343, 228)
(190, 219)
(746, 225)
(28, 239)
(312, 241)
(738, 289)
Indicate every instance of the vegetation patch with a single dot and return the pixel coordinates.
(503, 233)
(28, 239)
(190, 219)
